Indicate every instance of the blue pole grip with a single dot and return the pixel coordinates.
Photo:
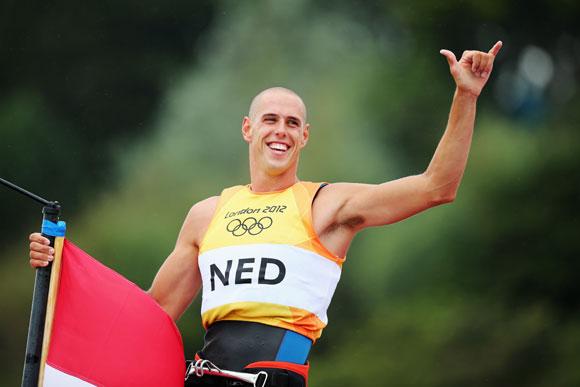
(54, 229)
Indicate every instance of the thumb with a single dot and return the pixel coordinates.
(451, 59)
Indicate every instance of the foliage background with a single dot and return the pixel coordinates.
(128, 113)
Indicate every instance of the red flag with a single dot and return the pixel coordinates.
(108, 332)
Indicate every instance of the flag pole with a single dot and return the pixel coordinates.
(35, 337)
(32, 360)
(51, 301)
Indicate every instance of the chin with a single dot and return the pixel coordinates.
(275, 170)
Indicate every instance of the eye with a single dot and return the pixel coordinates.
(293, 123)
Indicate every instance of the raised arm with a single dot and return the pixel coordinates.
(178, 280)
(364, 205)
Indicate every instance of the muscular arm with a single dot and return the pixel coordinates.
(356, 206)
(366, 205)
(377, 205)
(178, 280)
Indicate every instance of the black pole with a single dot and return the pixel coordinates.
(25, 192)
(51, 212)
(31, 371)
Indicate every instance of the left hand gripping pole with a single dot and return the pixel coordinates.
(51, 228)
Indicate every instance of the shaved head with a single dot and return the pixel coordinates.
(276, 131)
(270, 92)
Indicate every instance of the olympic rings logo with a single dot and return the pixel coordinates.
(249, 225)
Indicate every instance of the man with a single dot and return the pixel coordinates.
(269, 254)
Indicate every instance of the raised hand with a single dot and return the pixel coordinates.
(472, 71)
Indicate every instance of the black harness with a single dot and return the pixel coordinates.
(241, 353)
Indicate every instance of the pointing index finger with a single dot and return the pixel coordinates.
(496, 47)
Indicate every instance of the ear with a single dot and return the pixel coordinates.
(305, 135)
(247, 129)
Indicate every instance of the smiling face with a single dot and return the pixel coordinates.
(276, 131)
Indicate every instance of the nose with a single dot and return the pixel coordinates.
(280, 129)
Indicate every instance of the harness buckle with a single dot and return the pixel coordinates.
(205, 367)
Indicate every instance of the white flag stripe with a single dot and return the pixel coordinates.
(56, 378)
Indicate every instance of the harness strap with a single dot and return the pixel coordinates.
(274, 369)
(206, 367)
(294, 348)
(300, 369)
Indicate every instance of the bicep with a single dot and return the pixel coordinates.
(386, 203)
(177, 281)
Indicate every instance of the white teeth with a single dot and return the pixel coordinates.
(278, 146)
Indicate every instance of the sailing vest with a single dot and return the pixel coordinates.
(261, 261)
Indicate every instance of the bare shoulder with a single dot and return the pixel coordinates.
(337, 194)
(330, 203)
(204, 208)
(334, 226)
(198, 219)
(341, 190)
(357, 206)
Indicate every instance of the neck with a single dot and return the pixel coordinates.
(261, 181)
(271, 183)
